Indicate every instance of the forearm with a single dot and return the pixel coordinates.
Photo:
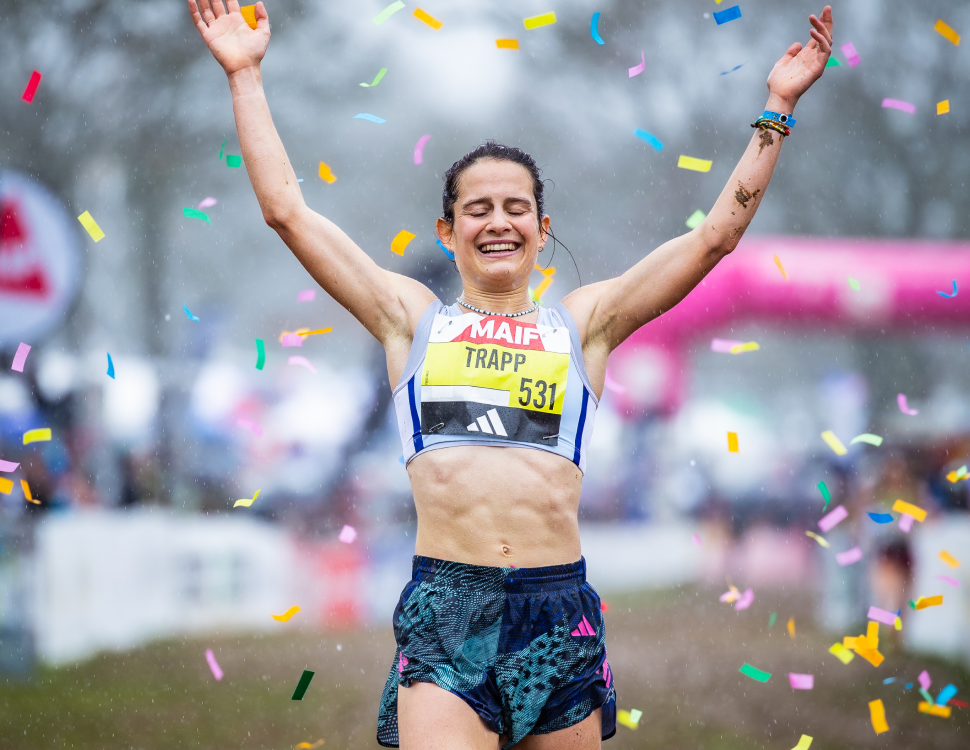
(270, 171)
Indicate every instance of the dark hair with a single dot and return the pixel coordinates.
(489, 150)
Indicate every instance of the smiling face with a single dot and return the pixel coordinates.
(496, 234)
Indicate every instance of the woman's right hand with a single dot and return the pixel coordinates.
(232, 43)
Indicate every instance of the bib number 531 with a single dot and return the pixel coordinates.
(540, 400)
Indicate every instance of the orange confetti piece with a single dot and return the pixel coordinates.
(249, 13)
(507, 43)
(433, 22)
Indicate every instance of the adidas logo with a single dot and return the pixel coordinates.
(490, 424)
(584, 628)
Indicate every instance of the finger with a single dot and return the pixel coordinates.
(232, 6)
(207, 14)
(823, 44)
(197, 18)
(262, 17)
(793, 50)
(218, 10)
(827, 19)
(820, 27)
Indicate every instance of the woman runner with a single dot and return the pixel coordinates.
(500, 639)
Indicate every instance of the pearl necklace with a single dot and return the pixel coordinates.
(504, 315)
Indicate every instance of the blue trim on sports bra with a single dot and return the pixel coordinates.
(580, 426)
(415, 419)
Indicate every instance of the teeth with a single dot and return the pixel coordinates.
(504, 247)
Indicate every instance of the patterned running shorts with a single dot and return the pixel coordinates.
(525, 648)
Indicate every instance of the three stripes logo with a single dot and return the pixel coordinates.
(584, 628)
(490, 424)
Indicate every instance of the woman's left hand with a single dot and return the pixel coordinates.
(801, 66)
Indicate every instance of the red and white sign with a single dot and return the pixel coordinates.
(40, 260)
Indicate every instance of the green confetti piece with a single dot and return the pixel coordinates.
(233, 161)
(825, 493)
(927, 696)
(260, 354)
(771, 620)
(222, 148)
(389, 11)
(377, 79)
(853, 284)
(194, 213)
(867, 437)
(754, 673)
(695, 219)
(833, 63)
(304, 684)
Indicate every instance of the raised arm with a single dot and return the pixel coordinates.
(609, 311)
(387, 304)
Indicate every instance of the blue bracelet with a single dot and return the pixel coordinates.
(786, 120)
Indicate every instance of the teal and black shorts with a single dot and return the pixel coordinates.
(525, 648)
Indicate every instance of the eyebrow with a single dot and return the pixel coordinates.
(475, 201)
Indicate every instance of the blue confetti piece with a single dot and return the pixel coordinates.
(111, 367)
(369, 117)
(888, 680)
(649, 138)
(945, 694)
(950, 296)
(400, 460)
(881, 517)
(728, 72)
(445, 250)
(730, 14)
(594, 30)
(186, 308)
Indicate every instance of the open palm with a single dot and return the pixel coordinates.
(230, 40)
(801, 66)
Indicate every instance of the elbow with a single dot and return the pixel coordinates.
(278, 218)
(719, 243)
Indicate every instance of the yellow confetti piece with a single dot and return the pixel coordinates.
(37, 436)
(733, 442)
(898, 624)
(943, 107)
(247, 501)
(545, 284)
(285, 617)
(433, 22)
(949, 559)
(820, 539)
(507, 43)
(698, 165)
(88, 222)
(316, 332)
(929, 601)
(400, 242)
(249, 13)
(27, 494)
(791, 628)
(913, 510)
(536, 21)
(750, 346)
(841, 653)
(804, 743)
(629, 719)
(782, 269)
(877, 712)
(946, 32)
(934, 710)
(6, 486)
(870, 655)
(834, 443)
(872, 634)
(307, 745)
(326, 175)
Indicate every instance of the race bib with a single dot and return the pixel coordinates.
(496, 376)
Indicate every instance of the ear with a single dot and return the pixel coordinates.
(445, 233)
(544, 229)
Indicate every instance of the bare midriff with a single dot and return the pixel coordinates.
(494, 506)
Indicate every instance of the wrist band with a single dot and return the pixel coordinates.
(771, 125)
(786, 120)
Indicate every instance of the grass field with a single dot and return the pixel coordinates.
(675, 656)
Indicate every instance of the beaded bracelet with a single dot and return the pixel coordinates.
(765, 124)
(786, 120)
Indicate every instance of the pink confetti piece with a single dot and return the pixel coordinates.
(303, 362)
(745, 600)
(8, 466)
(347, 534)
(20, 357)
(801, 681)
(638, 69)
(905, 523)
(213, 664)
(697, 540)
(250, 425)
(612, 385)
(924, 680)
(207, 203)
(419, 149)
(831, 519)
(292, 339)
(881, 615)
(851, 56)
(849, 557)
(948, 579)
(904, 406)
(307, 295)
(724, 346)
(900, 105)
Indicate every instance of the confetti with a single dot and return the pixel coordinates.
(546, 281)
(934, 710)
(849, 556)
(377, 79)
(791, 628)
(433, 22)
(854, 284)
(945, 694)
(904, 405)
(222, 148)
(950, 296)
(948, 579)
(943, 108)
(841, 653)
(246, 502)
(188, 313)
(250, 425)
(881, 517)
(594, 29)
(877, 713)
(111, 367)
(829, 521)
(695, 537)
(507, 43)
(317, 332)
(771, 619)
(40, 435)
(213, 665)
(20, 357)
(732, 438)
(233, 161)
(207, 202)
(307, 745)
(347, 534)
(956, 476)
(307, 295)
(804, 742)
(924, 680)
(729, 14)
(750, 346)
(928, 601)
(638, 69)
(369, 117)
(27, 494)
(249, 14)
(825, 493)
(650, 138)
(285, 617)
(304, 681)
(419, 149)
(194, 213)
(833, 62)
(913, 510)
(834, 443)
(260, 354)
(400, 241)
(389, 11)
(900, 105)
(546, 19)
(697, 165)
(695, 220)
(724, 346)
(728, 72)
(630, 719)
(867, 437)
(821, 540)
(34, 82)
(8, 466)
(946, 32)
(754, 673)
(801, 681)
(745, 600)
(303, 362)
(325, 174)
(851, 56)
(88, 222)
(905, 523)
(949, 559)
(782, 269)
(881, 615)
(6, 486)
